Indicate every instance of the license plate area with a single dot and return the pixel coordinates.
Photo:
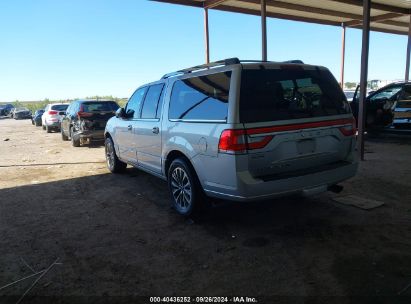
(306, 146)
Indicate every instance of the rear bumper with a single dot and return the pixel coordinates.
(52, 124)
(91, 135)
(252, 189)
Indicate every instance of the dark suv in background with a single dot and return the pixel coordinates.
(85, 120)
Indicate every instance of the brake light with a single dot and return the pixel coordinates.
(349, 130)
(53, 112)
(239, 140)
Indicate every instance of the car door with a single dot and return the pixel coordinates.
(148, 129)
(124, 130)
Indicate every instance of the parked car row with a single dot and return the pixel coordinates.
(80, 121)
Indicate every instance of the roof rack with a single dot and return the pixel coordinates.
(228, 61)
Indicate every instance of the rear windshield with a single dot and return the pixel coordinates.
(100, 106)
(59, 107)
(282, 94)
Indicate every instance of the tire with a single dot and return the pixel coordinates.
(32, 122)
(113, 163)
(187, 197)
(44, 127)
(74, 142)
(37, 124)
(48, 129)
(64, 137)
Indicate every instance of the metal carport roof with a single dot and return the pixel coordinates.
(388, 16)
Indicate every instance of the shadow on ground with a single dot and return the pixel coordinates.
(117, 236)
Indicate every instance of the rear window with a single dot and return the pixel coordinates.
(268, 95)
(201, 98)
(59, 107)
(96, 106)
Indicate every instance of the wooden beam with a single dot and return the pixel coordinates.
(383, 18)
(306, 9)
(212, 3)
(275, 15)
(182, 2)
(377, 6)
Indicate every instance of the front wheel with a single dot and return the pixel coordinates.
(185, 190)
(113, 163)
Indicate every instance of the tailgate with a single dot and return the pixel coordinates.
(299, 148)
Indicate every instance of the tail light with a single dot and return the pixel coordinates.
(239, 141)
(52, 112)
(243, 140)
(349, 130)
(82, 114)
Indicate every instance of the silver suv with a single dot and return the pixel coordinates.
(237, 130)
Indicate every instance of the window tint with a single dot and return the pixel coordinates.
(201, 98)
(151, 101)
(135, 102)
(102, 106)
(268, 95)
(59, 107)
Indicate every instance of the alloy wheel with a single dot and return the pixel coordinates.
(181, 188)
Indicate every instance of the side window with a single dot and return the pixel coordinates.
(201, 98)
(134, 102)
(386, 94)
(151, 101)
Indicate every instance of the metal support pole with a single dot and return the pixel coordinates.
(264, 29)
(364, 73)
(407, 63)
(206, 36)
(342, 55)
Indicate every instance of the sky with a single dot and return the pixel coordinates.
(78, 48)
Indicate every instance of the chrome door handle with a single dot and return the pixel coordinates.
(130, 127)
(156, 130)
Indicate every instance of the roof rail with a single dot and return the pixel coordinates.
(294, 61)
(228, 61)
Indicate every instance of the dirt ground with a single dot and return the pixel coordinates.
(116, 237)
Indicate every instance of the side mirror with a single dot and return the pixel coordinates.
(120, 113)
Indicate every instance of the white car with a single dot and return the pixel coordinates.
(52, 116)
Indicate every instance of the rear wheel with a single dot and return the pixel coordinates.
(74, 141)
(187, 197)
(44, 127)
(64, 137)
(48, 129)
(113, 163)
